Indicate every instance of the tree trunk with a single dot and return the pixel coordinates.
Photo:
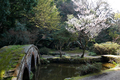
(83, 53)
(60, 53)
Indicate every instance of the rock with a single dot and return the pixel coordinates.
(110, 58)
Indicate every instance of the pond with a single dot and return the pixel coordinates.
(57, 71)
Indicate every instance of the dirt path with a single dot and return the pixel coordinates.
(70, 54)
(85, 55)
(111, 75)
(47, 56)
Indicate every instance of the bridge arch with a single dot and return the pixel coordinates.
(27, 58)
(32, 54)
(26, 74)
(32, 63)
(37, 62)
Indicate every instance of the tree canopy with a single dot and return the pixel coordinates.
(45, 15)
(41, 22)
(90, 20)
(12, 10)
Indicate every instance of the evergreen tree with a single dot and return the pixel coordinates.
(12, 10)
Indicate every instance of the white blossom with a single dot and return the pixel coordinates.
(89, 18)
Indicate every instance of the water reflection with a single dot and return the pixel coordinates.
(56, 71)
(61, 71)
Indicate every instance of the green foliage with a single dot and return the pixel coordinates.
(61, 37)
(4, 11)
(13, 10)
(90, 68)
(31, 75)
(45, 14)
(75, 50)
(106, 48)
(113, 32)
(114, 63)
(8, 78)
(73, 60)
(16, 35)
(91, 42)
(44, 61)
(103, 36)
(117, 15)
(65, 7)
(13, 20)
(44, 50)
(92, 54)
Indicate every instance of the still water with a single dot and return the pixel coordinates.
(61, 71)
(56, 71)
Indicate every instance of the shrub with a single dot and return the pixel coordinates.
(92, 54)
(44, 61)
(106, 48)
(90, 68)
(17, 35)
(44, 50)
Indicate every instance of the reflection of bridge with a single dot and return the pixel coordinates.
(26, 59)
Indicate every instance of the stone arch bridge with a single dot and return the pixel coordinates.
(18, 61)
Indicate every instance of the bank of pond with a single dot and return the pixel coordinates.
(66, 68)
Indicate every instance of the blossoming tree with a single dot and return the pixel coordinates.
(91, 18)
